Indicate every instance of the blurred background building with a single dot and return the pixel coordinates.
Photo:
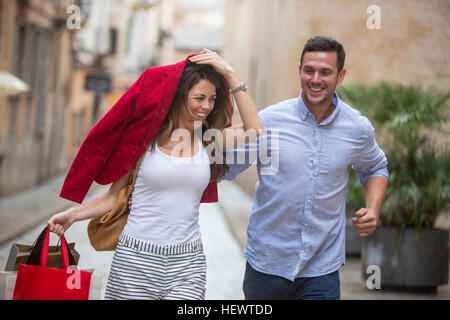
(264, 40)
(78, 58)
(35, 46)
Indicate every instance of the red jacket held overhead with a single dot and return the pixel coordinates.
(119, 138)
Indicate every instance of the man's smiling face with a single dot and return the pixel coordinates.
(319, 77)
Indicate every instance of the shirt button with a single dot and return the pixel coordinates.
(309, 201)
(303, 251)
(312, 177)
(306, 224)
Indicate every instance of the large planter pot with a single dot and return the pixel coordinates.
(352, 241)
(414, 261)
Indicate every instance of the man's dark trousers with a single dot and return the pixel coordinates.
(262, 286)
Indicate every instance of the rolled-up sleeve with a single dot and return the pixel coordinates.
(371, 161)
(239, 160)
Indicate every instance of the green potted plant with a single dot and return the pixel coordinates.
(409, 251)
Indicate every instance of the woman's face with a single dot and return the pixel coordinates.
(200, 102)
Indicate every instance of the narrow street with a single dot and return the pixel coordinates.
(65, 64)
(223, 226)
(225, 262)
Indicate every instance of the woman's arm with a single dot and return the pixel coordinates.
(94, 208)
(234, 136)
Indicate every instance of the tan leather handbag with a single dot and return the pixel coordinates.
(104, 231)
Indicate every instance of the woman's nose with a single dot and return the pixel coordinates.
(208, 105)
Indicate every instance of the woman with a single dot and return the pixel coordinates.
(160, 254)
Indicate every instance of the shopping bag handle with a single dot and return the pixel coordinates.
(35, 240)
(64, 253)
(39, 252)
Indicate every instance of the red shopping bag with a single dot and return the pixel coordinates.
(38, 282)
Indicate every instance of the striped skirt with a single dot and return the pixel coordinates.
(141, 270)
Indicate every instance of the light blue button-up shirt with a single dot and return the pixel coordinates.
(297, 225)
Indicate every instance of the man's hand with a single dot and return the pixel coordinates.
(365, 222)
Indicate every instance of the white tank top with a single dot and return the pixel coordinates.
(166, 197)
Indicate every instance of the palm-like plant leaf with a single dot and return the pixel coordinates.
(419, 175)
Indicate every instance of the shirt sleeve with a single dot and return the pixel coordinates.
(263, 150)
(371, 160)
(239, 160)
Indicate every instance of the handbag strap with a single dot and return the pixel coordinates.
(132, 178)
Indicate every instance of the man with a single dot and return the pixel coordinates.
(296, 232)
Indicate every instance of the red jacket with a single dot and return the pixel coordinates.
(119, 138)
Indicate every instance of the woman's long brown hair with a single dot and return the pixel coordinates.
(218, 118)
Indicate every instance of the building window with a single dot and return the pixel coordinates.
(18, 49)
(128, 39)
(13, 105)
(16, 68)
(29, 63)
(2, 13)
(41, 79)
(79, 127)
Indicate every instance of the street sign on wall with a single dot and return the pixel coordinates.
(99, 83)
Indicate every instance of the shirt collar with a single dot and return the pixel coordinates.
(304, 111)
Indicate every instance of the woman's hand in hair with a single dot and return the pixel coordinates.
(216, 61)
(251, 127)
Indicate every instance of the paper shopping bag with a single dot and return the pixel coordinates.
(39, 282)
(19, 254)
(7, 284)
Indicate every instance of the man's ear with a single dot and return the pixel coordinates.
(341, 76)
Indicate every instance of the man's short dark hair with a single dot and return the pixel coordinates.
(320, 43)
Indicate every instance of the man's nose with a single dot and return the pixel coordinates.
(316, 76)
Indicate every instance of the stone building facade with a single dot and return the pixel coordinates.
(405, 42)
(35, 46)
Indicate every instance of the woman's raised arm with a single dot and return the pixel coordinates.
(251, 127)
